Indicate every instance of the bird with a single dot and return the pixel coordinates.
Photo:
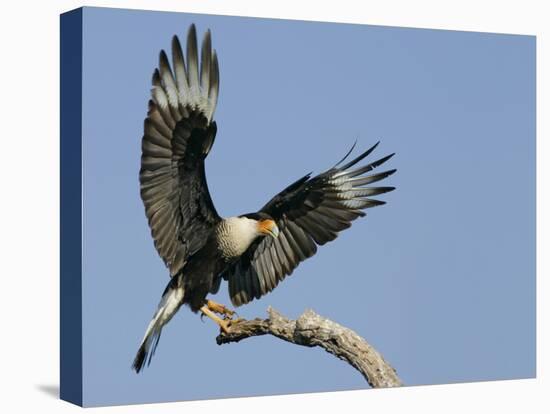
(252, 252)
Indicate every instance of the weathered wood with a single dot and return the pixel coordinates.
(311, 330)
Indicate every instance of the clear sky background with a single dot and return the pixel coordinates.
(441, 280)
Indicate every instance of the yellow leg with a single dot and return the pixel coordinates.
(219, 308)
(223, 324)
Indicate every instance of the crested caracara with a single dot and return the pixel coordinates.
(252, 252)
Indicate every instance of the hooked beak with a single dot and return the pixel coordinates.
(269, 227)
(274, 232)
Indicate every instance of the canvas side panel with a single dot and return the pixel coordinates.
(71, 207)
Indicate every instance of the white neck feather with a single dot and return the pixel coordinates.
(235, 235)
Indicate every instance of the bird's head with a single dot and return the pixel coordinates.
(268, 226)
(264, 223)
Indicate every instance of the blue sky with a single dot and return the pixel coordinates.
(441, 280)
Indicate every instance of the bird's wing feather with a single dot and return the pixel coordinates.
(178, 134)
(309, 213)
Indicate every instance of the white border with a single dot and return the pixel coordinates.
(30, 201)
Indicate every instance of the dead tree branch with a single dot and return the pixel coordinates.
(312, 330)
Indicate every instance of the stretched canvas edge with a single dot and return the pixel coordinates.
(71, 389)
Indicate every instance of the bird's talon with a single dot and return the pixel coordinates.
(226, 324)
(231, 322)
(220, 309)
(225, 327)
(227, 312)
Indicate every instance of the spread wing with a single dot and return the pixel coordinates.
(178, 134)
(309, 213)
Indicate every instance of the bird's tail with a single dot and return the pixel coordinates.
(171, 301)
